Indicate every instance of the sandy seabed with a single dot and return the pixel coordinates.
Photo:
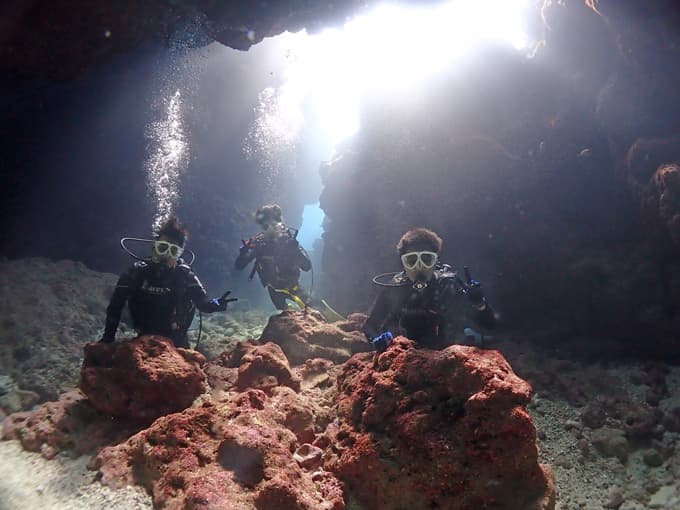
(28, 482)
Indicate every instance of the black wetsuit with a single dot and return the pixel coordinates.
(278, 261)
(422, 315)
(161, 300)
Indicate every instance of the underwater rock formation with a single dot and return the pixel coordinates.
(236, 448)
(49, 309)
(13, 398)
(660, 206)
(68, 424)
(306, 335)
(236, 454)
(44, 39)
(257, 366)
(264, 435)
(141, 379)
(538, 208)
(437, 429)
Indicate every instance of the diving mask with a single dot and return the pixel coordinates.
(418, 260)
(167, 250)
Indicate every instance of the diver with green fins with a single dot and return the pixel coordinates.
(162, 291)
(278, 261)
(417, 302)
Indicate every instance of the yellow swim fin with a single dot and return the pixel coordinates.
(330, 314)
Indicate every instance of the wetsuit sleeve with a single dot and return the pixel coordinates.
(382, 309)
(485, 318)
(126, 284)
(245, 256)
(198, 295)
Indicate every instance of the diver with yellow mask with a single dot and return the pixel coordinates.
(417, 302)
(162, 292)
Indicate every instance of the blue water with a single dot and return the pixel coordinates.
(311, 229)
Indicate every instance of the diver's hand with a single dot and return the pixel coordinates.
(245, 245)
(382, 341)
(222, 302)
(472, 289)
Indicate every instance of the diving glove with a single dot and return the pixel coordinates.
(382, 341)
(222, 302)
(472, 289)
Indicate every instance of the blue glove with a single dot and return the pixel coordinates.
(382, 341)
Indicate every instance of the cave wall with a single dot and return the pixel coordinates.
(524, 167)
(61, 39)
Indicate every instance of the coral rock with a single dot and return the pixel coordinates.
(141, 379)
(445, 429)
(233, 455)
(71, 423)
(250, 365)
(611, 443)
(308, 456)
(305, 335)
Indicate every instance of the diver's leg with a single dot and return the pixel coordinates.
(303, 295)
(278, 299)
(180, 339)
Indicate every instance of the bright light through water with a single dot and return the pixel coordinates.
(390, 49)
(168, 156)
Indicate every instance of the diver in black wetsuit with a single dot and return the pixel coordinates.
(162, 293)
(278, 258)
(416, 302)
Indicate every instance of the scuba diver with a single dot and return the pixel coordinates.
(416, 301)
(162, 292)
(278, 258)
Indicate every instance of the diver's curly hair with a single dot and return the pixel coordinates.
(270, 212)
(174, 230)
(419, 239)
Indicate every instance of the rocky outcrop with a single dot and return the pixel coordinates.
(242, 446)
(49, 310)
(411, 426)
(68, 424)
(306, 335)
(250, 365)
(44, 39)
(13, 398)
(445, 429)
(141, 379)
(236, 454)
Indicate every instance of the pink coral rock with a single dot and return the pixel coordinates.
(141, 379)
(437, 429)
(236, 454)
(70, 423)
